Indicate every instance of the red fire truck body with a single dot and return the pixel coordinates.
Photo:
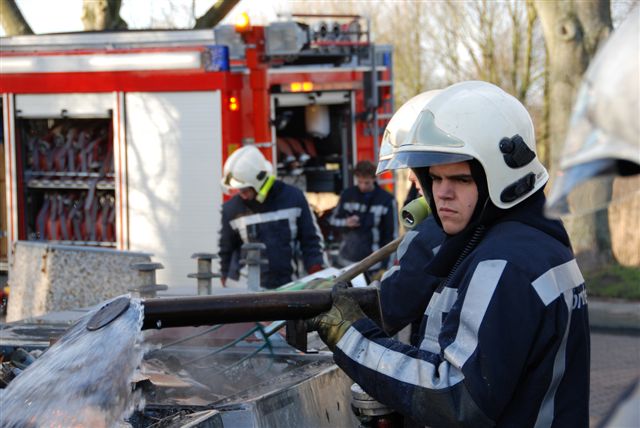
(118, 139)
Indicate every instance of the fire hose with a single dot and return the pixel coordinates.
(292, 303)
(296, 334)
(247, 307)
(288, 304)
(236, 308)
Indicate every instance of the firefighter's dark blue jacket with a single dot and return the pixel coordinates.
(283, 222)
(505, 339)
(406, 288)
(378, 222)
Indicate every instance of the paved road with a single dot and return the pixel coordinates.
(615, 365)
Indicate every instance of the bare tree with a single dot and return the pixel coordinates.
(491, 41)
(98, 15)
(572, 31)
(414, 64)
(102, 15)
(215, 13)
(12, 20)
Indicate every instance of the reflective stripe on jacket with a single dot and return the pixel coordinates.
(406, 288)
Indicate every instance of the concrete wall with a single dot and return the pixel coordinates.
(47, 277)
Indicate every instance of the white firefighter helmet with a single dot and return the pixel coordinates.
(477, 120)
(399, 126)
(604, 134)
(246, 167)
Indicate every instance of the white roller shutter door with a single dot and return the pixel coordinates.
(174, 152)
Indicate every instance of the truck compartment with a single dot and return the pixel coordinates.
(313, 146)
(68, 179)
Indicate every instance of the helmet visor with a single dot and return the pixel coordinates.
(229, 183)
(383, 165)
(425, 146)
(425, 133)
(417, 159)
(589, 187)
(387, 148)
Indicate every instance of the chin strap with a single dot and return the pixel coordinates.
(264, 190)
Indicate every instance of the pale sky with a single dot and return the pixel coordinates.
(56, 16)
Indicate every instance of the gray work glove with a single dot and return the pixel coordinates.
(334, 323)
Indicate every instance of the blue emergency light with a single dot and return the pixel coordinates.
(216, 58)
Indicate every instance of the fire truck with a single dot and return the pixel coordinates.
(117, 139)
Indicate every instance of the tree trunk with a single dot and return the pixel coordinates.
(99, 15)
(215, 14)
(572, 31)
(12, 20)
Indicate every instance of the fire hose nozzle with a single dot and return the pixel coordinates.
(108, 313)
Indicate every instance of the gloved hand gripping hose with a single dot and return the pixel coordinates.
(334, 323)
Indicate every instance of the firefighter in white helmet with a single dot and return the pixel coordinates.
(268, 211)
(406, 288)
(505, 336)
(603, 143)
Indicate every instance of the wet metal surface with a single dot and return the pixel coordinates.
(276, 387)
(183, 382)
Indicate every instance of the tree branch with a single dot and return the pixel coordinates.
(215, 14)
(515, 44)
(528, 56)
(100, 15)
(12, 20)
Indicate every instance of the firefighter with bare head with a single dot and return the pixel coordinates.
(366, 217)
(504, 338)
(268, 211)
